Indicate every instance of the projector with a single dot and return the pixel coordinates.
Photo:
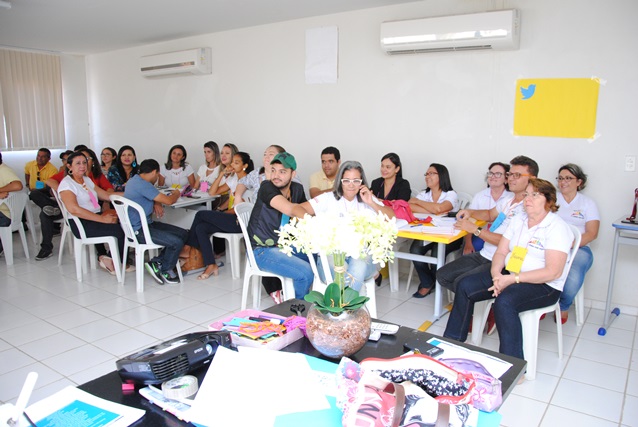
(172, 358)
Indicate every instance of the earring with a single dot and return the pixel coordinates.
(134, 164)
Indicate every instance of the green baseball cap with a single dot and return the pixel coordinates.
(286, 159)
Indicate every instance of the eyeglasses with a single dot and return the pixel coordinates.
(430, 173)
(534, 195)
(494, 174)
(564, 178)
(515, 175)
(346, 181)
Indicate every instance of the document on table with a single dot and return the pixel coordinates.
(491, 365)
(440, 225)
(74, 407)
(255, 386)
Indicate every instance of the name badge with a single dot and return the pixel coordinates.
(498, 221)
(516, 259)
(39, 185)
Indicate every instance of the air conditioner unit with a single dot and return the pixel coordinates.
(498, 30)
(191, 61)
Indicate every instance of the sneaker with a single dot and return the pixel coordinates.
(170, 278)
(51, 211)
(43, 254)
(491, 322)
(154, 271)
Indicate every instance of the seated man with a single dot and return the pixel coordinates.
(36, 173)
(323, 180)
(521, 171)
(9, 182)
(141, 189)
(276, 202)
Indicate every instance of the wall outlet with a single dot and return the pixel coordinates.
(630, 163)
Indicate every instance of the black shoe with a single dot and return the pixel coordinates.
(51, 211)
(43, 254)
(56, 231)
(418, 295)
(154, 271)
(378, 279)
(170, 278)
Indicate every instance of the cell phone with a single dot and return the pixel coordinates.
(194, 197)
(452, 214)
(424, 347)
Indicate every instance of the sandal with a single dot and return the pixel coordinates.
(215, 272)
(106, 263)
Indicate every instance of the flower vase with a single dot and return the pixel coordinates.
(338, 334)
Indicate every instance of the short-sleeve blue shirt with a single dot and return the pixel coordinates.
(143, 193)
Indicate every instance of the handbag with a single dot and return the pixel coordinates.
(195, 260)
(401, 209)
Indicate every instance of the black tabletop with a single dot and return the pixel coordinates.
(109, 386)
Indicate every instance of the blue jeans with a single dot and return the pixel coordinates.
(514, 299)
(297, 267)
(359, 270)
(576, 276)
(169, 236)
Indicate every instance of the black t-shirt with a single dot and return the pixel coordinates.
(264, 220)
(399, 191)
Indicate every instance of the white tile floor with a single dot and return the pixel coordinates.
(71, 332)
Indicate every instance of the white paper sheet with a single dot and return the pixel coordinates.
(322, 55)
(255, 386)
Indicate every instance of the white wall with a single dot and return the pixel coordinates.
(451, 108)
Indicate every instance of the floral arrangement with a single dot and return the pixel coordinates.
(357, 235)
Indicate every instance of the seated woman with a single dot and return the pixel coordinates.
(540, 242)
(350, 194)
(497, 190)
(124, 168)
(581, 211)
(176, 172)
(438, 198)
(391, 185)
(80, 197)
(209, 222)
(108, 157)
(253, 180)
(207, 172)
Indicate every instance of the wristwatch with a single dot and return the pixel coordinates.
(478, 231)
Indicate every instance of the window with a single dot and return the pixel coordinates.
(31, 112)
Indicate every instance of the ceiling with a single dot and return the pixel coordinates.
(93, 26)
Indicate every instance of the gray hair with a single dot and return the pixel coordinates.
(346, 166)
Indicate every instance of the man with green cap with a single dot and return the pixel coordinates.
(277, 201)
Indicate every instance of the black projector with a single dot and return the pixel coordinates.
(172, 358)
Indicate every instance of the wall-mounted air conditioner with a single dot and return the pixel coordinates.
(499, 30)
(191, 61)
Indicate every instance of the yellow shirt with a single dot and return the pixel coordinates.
(31, 169)
(7, 176)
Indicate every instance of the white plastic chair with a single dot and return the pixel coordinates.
(16, 202)
(369, 284)
(122, 206)
(83, 240)
(66, 229)
(243, 212)
(464, 199)
(233, 248)
(28, 211)
(529, 320)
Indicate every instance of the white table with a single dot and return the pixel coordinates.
(625, 234)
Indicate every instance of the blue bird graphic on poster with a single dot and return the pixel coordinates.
(528, 92)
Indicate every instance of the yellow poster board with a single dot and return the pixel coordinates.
(564, 108)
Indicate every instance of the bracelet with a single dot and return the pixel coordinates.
(517, 278)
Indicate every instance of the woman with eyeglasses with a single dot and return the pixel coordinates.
(350, 194)
(107, 157)
(581, 211)
(497, 190)
(528, 270)
(438, 198)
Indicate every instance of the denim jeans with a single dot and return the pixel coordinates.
(297, 267)
(359, 270)
(514, 299)
(207, 223)
(427, 271)
(451, 274)
(576, 276)
(169, 236)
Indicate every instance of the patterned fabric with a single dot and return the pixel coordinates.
(432, 383)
